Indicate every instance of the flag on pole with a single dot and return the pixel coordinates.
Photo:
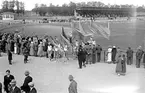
(65, 39)
(104, 31)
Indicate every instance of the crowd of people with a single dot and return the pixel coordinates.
(10, 84)
(91, 53)
(86, 52)
(31, 46)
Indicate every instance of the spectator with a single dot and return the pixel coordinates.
(25, 87)
(32, 88)
(7, 79)
(73, 85)
(14, 88)
(0, 87)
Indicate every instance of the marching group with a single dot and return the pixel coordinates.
(30, 46)
(87, 53)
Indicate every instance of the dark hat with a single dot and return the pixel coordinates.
(8, 71)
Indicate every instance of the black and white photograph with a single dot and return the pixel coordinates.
(72, 46)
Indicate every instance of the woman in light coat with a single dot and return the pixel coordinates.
(40, 49)
(109, 55)
(32, 49)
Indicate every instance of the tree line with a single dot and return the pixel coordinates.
(68, 9)
(14, 6)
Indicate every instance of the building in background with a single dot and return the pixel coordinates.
(8, 16)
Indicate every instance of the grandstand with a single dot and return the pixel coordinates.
(104, 12)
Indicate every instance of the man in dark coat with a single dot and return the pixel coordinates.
(32, 88)
(10, 57)
(12, 43)
(94, 50)
(87, 55)
(0, 48)
(81, 56)
(139, 54)
(35, 48)
(14, 88)
(99, 50)
(0, 87)
(7, 79)
(73, 85)
(25, 87)
(26, 54)
(129, 53)
(114, 52)
(90, 54)
(4, 45)
(18, 47)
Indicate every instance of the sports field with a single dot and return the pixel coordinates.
(123, 34)
(52, 77)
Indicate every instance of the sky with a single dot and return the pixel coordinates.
(30, 4)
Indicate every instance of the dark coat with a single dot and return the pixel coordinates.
(73, 87)
(114, 52)
(33, 91)
(139, 54)
(7, 80)
(124, 65)
(12, 45)
(25, 86)
(0, 87)
(129, 53)
(9, 55)
(25, 51)
(99, 49)
(16, 90)
(94, 50)
(82, 54)
(144, 57)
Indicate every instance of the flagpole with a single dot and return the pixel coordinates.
(108, 25)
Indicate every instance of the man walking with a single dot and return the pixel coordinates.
(114, 52)
(139, 54)
(10, 57)
(14, 88)
(73, 85)
(25, 53)
(32, 88)
(0, 87)
(94, 50)
(129, 53)
(99, 50)
(81, 57)
(25, 87)
(7, 79)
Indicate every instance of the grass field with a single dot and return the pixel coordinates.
(52, 76)
(122, 34)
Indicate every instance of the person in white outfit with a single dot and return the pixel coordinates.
(49, 50)
(109, 54)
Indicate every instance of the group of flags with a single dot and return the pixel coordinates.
(82, 30)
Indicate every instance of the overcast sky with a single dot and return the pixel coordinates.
(29, 4)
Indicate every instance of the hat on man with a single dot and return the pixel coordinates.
(114, 46)
(71, 77)
(13, 82)
(27, 72)
(31, 84)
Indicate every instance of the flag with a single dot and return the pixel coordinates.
(63, 33)
(65, 39)
(105, 32)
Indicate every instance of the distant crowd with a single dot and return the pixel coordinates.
(86, 52)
